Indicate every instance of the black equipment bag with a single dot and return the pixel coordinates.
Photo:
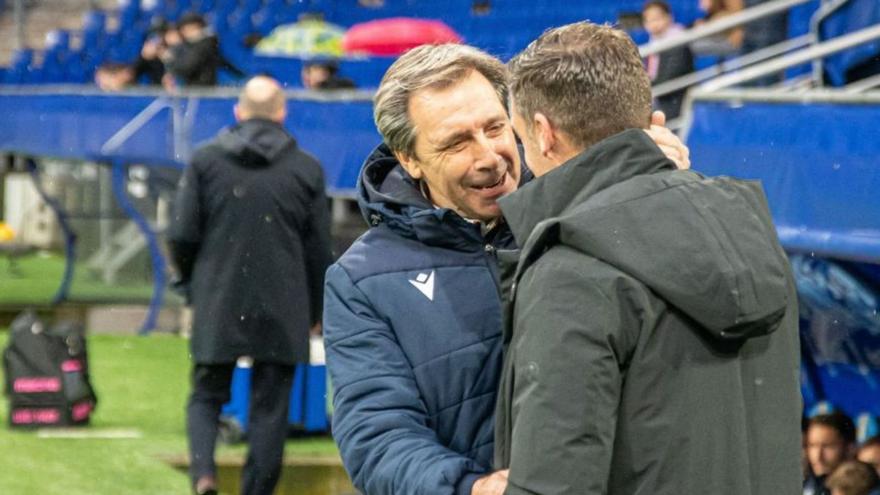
(47, 374)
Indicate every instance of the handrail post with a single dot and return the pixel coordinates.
(827, 8)
(19, 19)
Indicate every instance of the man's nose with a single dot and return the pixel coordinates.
(487, 153)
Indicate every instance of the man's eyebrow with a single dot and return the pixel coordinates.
(452, 139)
(496, 120)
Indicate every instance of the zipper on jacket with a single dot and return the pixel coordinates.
(491, 259)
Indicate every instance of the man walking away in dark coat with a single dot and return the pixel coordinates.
(654, 341)
(251, 239)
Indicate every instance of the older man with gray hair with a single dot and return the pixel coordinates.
(412, 319)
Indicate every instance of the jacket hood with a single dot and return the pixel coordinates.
(387, 194)
(704, 245)
(257, 142)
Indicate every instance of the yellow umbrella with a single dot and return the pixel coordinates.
(308, 38)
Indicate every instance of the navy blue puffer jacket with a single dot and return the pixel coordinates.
(412, 325)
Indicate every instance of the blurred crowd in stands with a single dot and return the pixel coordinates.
(834, 463)
(187, 54)
(659, 21)
(182, 54)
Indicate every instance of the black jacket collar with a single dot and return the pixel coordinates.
(608, 162)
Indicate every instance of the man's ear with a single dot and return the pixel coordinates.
(409, 164)
(281, 115)
(544, 133)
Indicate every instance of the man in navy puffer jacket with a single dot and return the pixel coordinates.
(412, 314)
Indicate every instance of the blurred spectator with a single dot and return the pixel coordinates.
(853, 478)
(869, 452)
(727, 43)
(660, 24)
(149, 67)
(114, 76)
(173, 42)
(830, 441)
(371, 4)
(763, 33)
(481, 7)
(324, 75)
(195, 60)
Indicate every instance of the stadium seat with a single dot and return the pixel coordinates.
(152, 8)
(94, 23)
(265, 19)
(20, 68)
(853, 16)
(129, 13)
(55, 57)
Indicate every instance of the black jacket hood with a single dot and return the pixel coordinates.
(257, 142)
(702, 244)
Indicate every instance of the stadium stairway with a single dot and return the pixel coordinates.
(44, 16)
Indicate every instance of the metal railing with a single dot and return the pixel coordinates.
(708, 73)
(814, 52)
(719, 26)
(721, 89)
(827, 8)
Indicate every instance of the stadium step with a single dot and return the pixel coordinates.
(44, 16)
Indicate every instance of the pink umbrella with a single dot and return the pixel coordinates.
(394, 36)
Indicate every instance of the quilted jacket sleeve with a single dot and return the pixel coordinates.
(379, 421)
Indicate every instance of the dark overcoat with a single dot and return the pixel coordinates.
(250, 236)
(652, 343)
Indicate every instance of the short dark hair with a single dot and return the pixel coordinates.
(660, 4)
(587, 79)
(191, 18)
(853, 478)
(331, 66)
(838, 421)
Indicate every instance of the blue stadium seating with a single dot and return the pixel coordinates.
(853, 16)
(21, 68)
(503, 31)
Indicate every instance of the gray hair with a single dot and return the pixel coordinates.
(587, 79)
(428, 66)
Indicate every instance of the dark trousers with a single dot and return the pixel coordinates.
(267, 422)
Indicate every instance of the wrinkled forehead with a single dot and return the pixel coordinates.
(467, 105)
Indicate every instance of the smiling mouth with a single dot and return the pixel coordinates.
(494, 184)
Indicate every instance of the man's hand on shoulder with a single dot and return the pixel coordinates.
(491, 484)
(668, 142)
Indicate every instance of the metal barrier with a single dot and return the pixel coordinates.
(154, 129)
(814, 152)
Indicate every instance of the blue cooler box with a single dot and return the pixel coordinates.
(308, 398)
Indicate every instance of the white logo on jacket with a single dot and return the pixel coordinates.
(425, 283)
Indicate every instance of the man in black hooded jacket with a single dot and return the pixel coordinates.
(251, 239)
(652, 341)
(197, 58)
